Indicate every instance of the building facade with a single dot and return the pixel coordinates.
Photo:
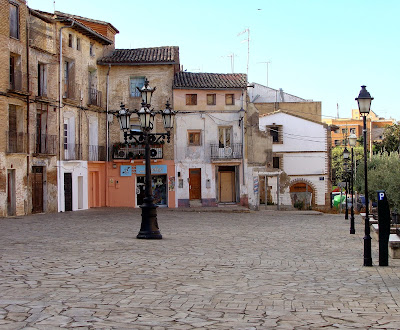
(301, 151)
(209, 141)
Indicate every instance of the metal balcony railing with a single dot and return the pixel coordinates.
(94, 97)
(121, 151)
(16, 142)
(97, 153)
(72, 151)
(233, 151)
(44, 144)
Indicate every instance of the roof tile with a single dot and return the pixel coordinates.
(167, 54)
(210, 80)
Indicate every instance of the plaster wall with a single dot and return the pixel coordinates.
(307, 110)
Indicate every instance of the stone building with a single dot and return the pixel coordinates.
(125, 70)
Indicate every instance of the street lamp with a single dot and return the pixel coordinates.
(352, 143)
(149, 227)
(346, 159)
(364, 105)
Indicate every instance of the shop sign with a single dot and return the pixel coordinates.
(155, 169)
(126, 170)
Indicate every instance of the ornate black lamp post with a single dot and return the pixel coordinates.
(346, 159)
(149, 227)
(352, 143)
(364, 105)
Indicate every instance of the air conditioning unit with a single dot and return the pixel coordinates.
(121, 154)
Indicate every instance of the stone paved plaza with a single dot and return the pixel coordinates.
(213, 270)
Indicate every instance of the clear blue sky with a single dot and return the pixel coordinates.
(320, 50)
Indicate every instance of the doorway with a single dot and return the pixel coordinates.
(37, 189)
(226, 184)
(194, 183)
(11, 198)
(68, 191)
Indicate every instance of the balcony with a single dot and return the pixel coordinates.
(123, 151)
(18, 82)
(72, 151)
(16, 142)
(44, 144)
(97, 153)
(94, 97)
(234, 151)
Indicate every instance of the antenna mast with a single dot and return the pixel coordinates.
(248, 48)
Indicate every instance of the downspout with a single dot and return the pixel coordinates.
(27, 107)
(107, 132)
(59, 114)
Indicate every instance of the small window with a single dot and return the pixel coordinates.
(275, 162)
(191, 99)
(211, 99)
(229, 99)
(344, 130)
(274, 131)
(70, 40)
(352, 130)
(134, 83)
(78, 43)
(337, 143)
(91, 49)
(14, 21)
(194, 138)
(42, 79)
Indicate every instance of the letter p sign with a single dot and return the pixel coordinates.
(381, 195)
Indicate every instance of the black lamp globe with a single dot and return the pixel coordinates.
(364, 101)
(124, 116)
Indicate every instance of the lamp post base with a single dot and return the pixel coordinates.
(149, 227)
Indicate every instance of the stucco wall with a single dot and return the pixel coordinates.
(307, 110)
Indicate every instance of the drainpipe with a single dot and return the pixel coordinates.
(27, 106)
(107, 131)
(59, 114)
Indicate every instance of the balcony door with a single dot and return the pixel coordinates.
(37, 189)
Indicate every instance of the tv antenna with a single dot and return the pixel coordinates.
(248, 47)
(232, 57)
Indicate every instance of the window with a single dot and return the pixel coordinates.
(42, 79)
(194, 138)
(69, 79)
(16, 129)
(70, 40)
(211, 99)
(191, 99)
(224, 134)
(344, 130)
(91, 49)
(352, 131)
(276, 133)
(78, 43)
(15, 72)
(229, 99)
(275, 162)
(14, 21)
(134, 83)
(337, 143)
(65, 136)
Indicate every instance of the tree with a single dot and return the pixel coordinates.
(338, 162)
(391, 139)
(383, 174)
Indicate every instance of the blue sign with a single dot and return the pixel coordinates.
(155, 169)
(381, 195)
(126, 170)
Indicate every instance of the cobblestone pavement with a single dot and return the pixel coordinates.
(258, 270)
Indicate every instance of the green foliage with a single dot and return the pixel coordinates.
(383, 174)
(299, 204)
(391, 139)
(338, 161)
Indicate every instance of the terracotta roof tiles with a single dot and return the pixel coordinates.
(209, 80)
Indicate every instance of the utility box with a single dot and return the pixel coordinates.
(384, 228)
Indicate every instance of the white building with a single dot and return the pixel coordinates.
(301, 150)
(209, 137)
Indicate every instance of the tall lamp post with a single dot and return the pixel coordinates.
(364, 106)
(352, 143)
(149, 226)
(346, 155)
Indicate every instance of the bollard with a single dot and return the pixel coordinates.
(384, 228)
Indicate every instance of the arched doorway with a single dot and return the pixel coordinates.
(302, 191)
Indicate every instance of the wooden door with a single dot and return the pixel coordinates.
(226, 186)
(94, 199)
(194, 183)
(11, 197)
(68, 191)
(37, 189)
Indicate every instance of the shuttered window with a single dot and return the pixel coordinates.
(14, 21)
(136, 82)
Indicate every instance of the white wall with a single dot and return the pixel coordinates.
(304, 152)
